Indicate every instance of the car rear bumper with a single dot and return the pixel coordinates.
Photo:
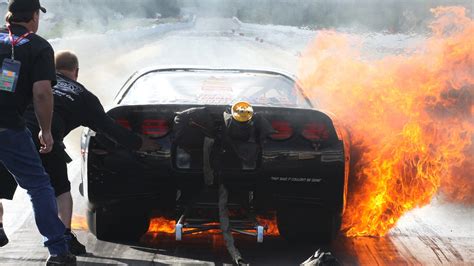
(282, 177)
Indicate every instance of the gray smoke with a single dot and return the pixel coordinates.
(371, 15)
(73, 17)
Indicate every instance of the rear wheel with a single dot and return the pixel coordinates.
(119, 222)
(308, 224)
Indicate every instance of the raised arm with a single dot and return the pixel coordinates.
(99, 121)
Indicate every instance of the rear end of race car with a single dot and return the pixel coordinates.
(219, 165)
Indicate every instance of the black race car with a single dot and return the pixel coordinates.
(235, 145)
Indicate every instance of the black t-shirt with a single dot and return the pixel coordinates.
(37, 63)
(75, 106)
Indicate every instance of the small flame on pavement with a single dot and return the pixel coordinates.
(79, 222)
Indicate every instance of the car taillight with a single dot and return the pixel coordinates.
(155, 127)
(315, 132)
(124, 123)
(283, 130)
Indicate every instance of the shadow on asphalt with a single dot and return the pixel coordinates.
(114, 261)
(211, 247)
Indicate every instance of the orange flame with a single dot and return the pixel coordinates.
(410, 119)
(79, 223)
(161, 225)
(167, 226)
(270, 224)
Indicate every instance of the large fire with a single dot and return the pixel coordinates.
(409, 116)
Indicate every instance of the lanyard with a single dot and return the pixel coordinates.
(17, 41)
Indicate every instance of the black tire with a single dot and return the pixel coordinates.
(308, 224)
(118, 222)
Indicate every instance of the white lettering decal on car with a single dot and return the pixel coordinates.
(296, 179)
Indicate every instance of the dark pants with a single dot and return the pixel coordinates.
(54, 164)
(18, 154)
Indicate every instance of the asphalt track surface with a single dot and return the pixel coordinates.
(437, 234)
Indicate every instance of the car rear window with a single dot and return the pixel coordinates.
(211, 88)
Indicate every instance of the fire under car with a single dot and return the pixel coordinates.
(235, 145)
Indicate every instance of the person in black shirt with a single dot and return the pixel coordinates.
(74, 106)
(27, 76)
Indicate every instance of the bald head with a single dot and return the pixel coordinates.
(67, 64)
(66, 60)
